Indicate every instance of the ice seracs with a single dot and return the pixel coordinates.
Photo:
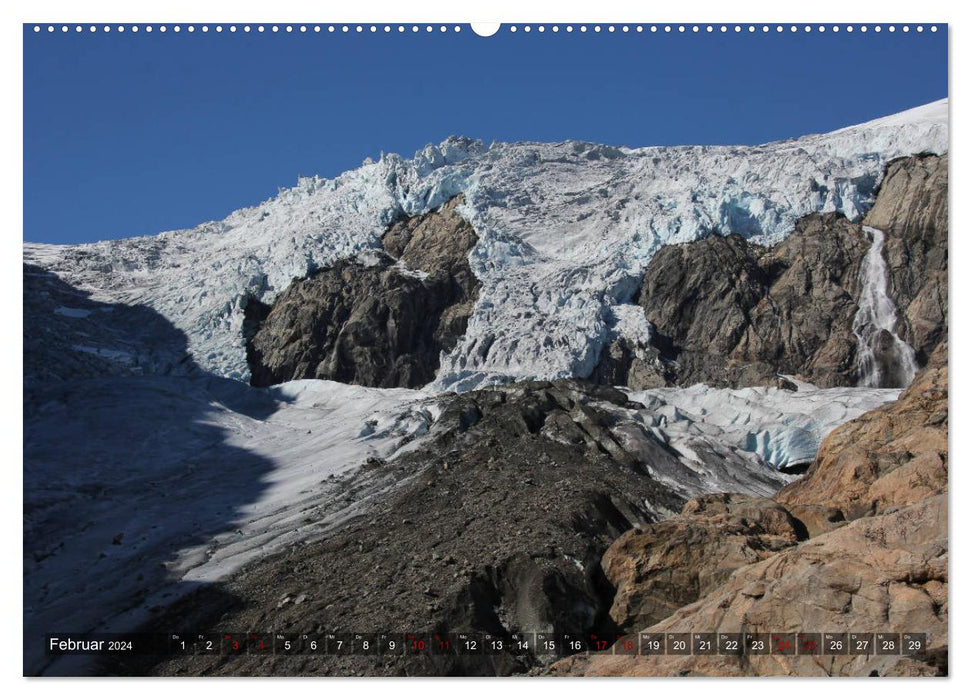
(564, 231)
(780, 428)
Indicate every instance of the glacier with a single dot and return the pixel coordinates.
(565, 230)
(775, 427)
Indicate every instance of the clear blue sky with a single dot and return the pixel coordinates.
(133, 134)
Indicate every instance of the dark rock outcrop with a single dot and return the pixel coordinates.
(626, 363)
(728, 312)
(384, 324)
(732, 313)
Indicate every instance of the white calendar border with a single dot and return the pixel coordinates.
(438, 11)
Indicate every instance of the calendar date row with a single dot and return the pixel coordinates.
(535, 644)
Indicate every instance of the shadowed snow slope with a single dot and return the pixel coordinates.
(137, 487)
(564, 230)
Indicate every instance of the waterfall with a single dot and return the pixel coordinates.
(885, 360)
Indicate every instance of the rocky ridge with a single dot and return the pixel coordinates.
(498, 524)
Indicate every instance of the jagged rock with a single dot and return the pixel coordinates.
(728, 312)
(912, 209)
(882, 573)
(667, 565)
(893, 456)
(626, 363)
(384, 324)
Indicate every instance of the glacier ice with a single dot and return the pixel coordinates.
(565, 230)
(781, 428)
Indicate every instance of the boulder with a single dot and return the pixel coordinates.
(664, 566)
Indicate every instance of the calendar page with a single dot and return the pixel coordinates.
(525, 349)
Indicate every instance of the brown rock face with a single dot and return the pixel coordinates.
(913, 198)
(380, 325)
(895, 457)
(883, 573)
(667, 565)
(875, 505)
(437, 243)
(731, 313)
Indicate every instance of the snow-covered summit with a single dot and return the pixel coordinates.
(565, 230)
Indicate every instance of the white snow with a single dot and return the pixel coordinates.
(564, 231)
